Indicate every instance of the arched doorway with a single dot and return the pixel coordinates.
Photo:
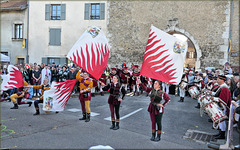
(194, 53)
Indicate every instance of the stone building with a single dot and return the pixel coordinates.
(206, 24)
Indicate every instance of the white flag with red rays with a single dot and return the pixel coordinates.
(91, 52)
(57, 97)
(164, 57)
(12, 80)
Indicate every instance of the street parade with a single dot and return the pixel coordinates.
(87, 102)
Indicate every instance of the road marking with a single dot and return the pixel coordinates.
(79, 110)
(109, 118)
(74, 110)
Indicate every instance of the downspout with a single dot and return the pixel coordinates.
(27, 57)
(230, 28)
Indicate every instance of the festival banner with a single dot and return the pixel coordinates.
(91, 52)
(57, 97)
(164, 57)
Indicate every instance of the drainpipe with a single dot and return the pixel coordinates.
(230, 28)
(27, 57)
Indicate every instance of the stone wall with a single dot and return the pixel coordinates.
(206, 21)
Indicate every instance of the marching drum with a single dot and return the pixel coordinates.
(183, 85)
(207, 92)
(205, 100)
(215, 113)
(193, 91)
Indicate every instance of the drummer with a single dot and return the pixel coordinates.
(182, 88)
(224, 94)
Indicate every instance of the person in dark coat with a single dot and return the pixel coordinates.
(156, 107)
(114, 100)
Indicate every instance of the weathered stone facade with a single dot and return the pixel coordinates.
(205, 23)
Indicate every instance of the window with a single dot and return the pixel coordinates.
(20, 61)
(54, 37)
(94, 11)
(95, 14)
(17, 31)
(55, 11)
(55, 60)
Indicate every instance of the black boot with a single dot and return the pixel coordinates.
(92, 95)
(113, 125)
(88, 117)
(84, 117)
(29, 104)
(37, 113)
(221, 135)
(153, 136)
(198, 106)
(15, 106)
(181, 99)
(158, 138)
(117, 126)
(137, 93)
(102, 94)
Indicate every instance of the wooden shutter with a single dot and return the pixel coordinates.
(63, 11)
(86, 11)
(102, 11)
(47, 11)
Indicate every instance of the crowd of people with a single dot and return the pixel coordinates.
(128, 81)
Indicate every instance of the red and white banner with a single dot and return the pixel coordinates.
(164, 57)
(12, 80)
(57, 97)
(91, 52)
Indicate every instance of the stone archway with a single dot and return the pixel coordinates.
(173, 28)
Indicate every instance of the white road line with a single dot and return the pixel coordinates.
(121, 118)
(79, 110)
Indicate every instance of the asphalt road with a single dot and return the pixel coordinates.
(21, 130)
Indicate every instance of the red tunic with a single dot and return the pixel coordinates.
(124, 77)
(135, 75)
(152, 109)
(103, 78)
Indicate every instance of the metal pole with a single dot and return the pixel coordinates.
(230, 28)
(27, 57)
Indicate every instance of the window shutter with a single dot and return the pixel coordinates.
(13, 31)
(63, 11)
(102, 11)
(44, 60)
(47, 11)
(51, 37)
(62, 61)
(86, 11)
(58, 37)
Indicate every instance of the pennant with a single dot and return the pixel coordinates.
(24, 43)
(164, 57)
(91, 52)
(57, 97)
(12, 80)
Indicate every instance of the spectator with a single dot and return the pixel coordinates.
(63, 74)
(54, 74)
(36, 80)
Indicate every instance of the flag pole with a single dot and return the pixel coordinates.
(230, 29)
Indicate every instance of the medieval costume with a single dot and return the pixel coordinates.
(85, 86)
